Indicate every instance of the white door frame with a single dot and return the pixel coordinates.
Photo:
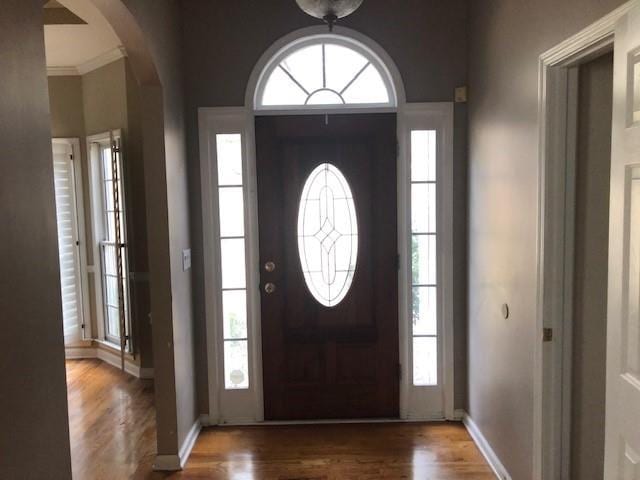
(85, 314)
(558, 86)
(248, 406)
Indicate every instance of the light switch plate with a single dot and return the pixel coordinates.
(186, 260)
(461, 95)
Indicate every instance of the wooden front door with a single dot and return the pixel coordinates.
(329, 315)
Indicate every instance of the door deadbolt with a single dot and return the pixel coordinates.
(269, 266)
(270, 288)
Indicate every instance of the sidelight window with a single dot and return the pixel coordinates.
(233, 260)
(327, 235)
(424, 279)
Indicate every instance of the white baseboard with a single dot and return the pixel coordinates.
(113, 358)
(172, 463)
(189, 442)
(107, 355)
(485, 448)
(77, 353)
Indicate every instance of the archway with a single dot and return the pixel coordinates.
(123, 17)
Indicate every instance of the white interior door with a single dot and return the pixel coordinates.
(68, 240)
(622, 448)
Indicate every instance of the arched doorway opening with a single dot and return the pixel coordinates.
(134, 144)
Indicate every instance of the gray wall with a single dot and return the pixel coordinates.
(593, 168)
(167, 202)
(506, 38)
(67, 110)
(33, 397)
(223, 41)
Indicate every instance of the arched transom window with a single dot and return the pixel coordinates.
(324, 72)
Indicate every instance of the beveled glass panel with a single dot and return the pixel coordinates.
(423, 259)
(233, 263)
(234, 312)
(423, 208)
(425, 361)
(327, 234)
(423, 156)
(229, 157)
(425, 311)
(231, 212)
(236, 365)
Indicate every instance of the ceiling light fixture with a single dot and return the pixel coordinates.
(329, 10)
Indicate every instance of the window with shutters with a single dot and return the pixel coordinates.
(64, 173)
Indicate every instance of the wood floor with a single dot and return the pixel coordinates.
(112, 422)
(113, 437)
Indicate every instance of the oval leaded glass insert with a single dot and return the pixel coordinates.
(327, 235)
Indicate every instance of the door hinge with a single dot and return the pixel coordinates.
(547, 334)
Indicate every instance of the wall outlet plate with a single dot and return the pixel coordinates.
(186, 259)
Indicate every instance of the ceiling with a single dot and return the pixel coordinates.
(71, 43)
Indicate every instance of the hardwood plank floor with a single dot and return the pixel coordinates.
(442, 451)
(112, 422)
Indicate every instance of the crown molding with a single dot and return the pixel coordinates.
(62, 71)
(90, 65)
(102, 60)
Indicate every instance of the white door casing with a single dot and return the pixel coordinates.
(622, 441)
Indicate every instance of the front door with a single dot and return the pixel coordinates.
(622, 438)
(327, 205)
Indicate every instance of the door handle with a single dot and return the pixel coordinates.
(270, 288)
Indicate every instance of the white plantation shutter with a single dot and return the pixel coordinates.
(67, 221)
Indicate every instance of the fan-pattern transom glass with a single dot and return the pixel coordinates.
(327, 235)
(324, 74)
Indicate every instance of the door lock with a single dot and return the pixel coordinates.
(270, 288)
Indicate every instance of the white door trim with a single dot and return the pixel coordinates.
(557, 137)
